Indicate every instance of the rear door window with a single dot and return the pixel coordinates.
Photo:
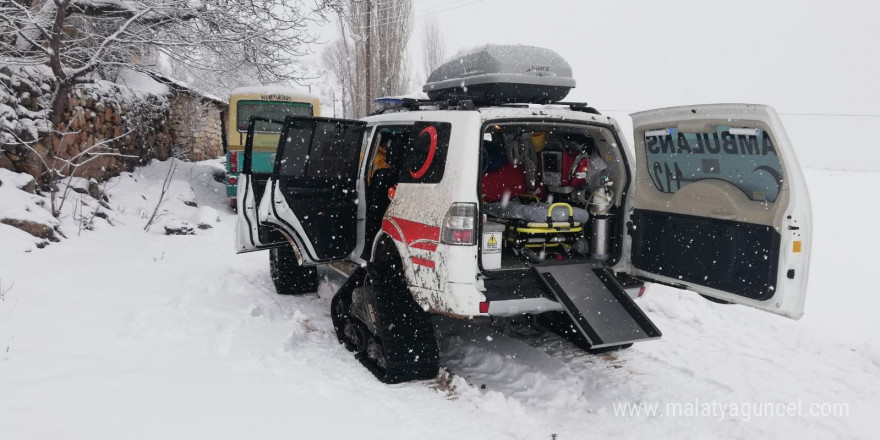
(425, 158)
(743, 157)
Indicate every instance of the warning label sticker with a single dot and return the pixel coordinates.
(491, 243)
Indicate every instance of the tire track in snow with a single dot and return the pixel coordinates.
(709, 352)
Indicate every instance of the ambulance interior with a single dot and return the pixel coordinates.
(548, 192)
(383, 173)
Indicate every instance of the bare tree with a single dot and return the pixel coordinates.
(166, 184)
(4, 291)
(60, 167)
(369, 60)
(79, 40)
(337, 58)
(76, 38)
(99, 149)
(393, 28)
(433, 47)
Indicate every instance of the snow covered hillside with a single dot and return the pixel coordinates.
(117, 333)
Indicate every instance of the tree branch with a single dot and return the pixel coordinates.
(96, 57)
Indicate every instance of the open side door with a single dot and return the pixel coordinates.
(250, 234)
(314, 194)
(721, 206)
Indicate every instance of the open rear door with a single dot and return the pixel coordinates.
(250, 234)
(721, 206)
(314, 194)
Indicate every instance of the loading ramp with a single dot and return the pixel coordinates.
(598, 305)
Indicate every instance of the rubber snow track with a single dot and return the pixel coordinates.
(121, 334)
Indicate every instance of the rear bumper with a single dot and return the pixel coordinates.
(516, 292)
(521, 306)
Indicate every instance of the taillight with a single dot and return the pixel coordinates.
(233, 180)
(233, 161)
(484, 307)
(641, 291)
(458, 225)
(579, 176)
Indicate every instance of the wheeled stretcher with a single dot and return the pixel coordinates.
(558, 224)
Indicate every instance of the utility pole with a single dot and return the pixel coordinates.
(369, 56)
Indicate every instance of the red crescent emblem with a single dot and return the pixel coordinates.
(432, 131)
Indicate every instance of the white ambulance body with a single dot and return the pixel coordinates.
(712, 200)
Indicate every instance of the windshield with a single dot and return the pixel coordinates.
(276, 110)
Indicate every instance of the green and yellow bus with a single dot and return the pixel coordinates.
(265, 102)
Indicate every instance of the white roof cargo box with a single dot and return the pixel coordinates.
(496, 74)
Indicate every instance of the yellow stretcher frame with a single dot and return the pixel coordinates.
(571, 229)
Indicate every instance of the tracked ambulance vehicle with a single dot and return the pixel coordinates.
(496, 198)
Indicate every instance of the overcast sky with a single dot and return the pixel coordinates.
(802, 57)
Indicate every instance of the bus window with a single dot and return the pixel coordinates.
(271, 103)
(271, 110)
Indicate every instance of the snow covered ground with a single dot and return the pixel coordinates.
(117, 333)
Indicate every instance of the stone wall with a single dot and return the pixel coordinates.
(107, 128)
(135, 127)
(111, 128)
(196, 126)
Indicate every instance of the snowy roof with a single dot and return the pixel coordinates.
(141, 82)
(179, 85)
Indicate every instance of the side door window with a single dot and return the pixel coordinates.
(425, 158)
(388, 149)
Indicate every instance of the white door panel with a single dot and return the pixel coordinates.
(721, 205)
(273, 209)
(250, 234)
(313, 196)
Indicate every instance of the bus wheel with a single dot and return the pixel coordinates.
(289, 277)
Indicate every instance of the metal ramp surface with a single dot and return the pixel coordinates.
(597, 304)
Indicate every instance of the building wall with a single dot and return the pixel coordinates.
(137, 127)
(196, 127)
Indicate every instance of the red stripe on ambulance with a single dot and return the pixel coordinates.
(414, 234)
(424, 244)
(423, 262)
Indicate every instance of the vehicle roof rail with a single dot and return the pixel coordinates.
(416, 104)
(579, 107)
(467, 103)
(512, 105)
